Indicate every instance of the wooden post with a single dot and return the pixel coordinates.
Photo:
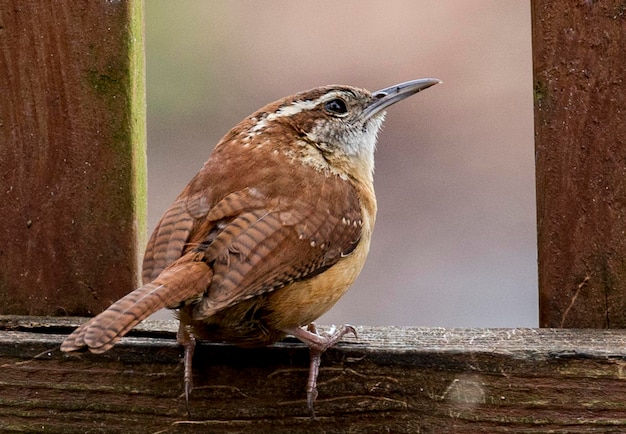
(72, 154)
(579, 54)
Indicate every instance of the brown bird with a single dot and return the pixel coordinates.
(269, 234)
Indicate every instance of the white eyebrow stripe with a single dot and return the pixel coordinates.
(293, 109)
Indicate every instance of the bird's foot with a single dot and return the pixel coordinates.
(188, 341)
(318, 343)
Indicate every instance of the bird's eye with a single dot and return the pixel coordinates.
(336, 106)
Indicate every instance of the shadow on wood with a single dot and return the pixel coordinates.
(390, 379)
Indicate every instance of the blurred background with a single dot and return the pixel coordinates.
(455, 238)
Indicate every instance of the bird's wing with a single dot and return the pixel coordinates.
(171, 234)
(264, 243)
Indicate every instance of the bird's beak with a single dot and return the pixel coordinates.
(383, 98)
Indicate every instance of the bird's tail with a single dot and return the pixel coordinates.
(178, 283)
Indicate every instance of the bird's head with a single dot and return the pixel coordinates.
(341, 122)
(332, 128)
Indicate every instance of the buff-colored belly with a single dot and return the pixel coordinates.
(302, 302)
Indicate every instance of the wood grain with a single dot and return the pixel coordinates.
(72, 146)
(580, 142)
(391, 379)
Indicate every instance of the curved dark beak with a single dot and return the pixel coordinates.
(383, 98)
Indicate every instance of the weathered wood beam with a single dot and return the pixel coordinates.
(389, 380)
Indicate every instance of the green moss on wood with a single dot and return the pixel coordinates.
(138, 121)
(539, 92)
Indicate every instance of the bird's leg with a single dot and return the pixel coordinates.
(188, 341)
(317, 343)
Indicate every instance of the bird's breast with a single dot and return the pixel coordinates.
(304, 301)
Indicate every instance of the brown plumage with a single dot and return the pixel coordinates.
(269, 234)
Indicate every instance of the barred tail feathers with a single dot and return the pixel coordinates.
(179, 282)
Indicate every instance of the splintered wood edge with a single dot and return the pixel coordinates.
(513, 342)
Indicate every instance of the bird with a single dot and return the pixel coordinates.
(269, 234)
